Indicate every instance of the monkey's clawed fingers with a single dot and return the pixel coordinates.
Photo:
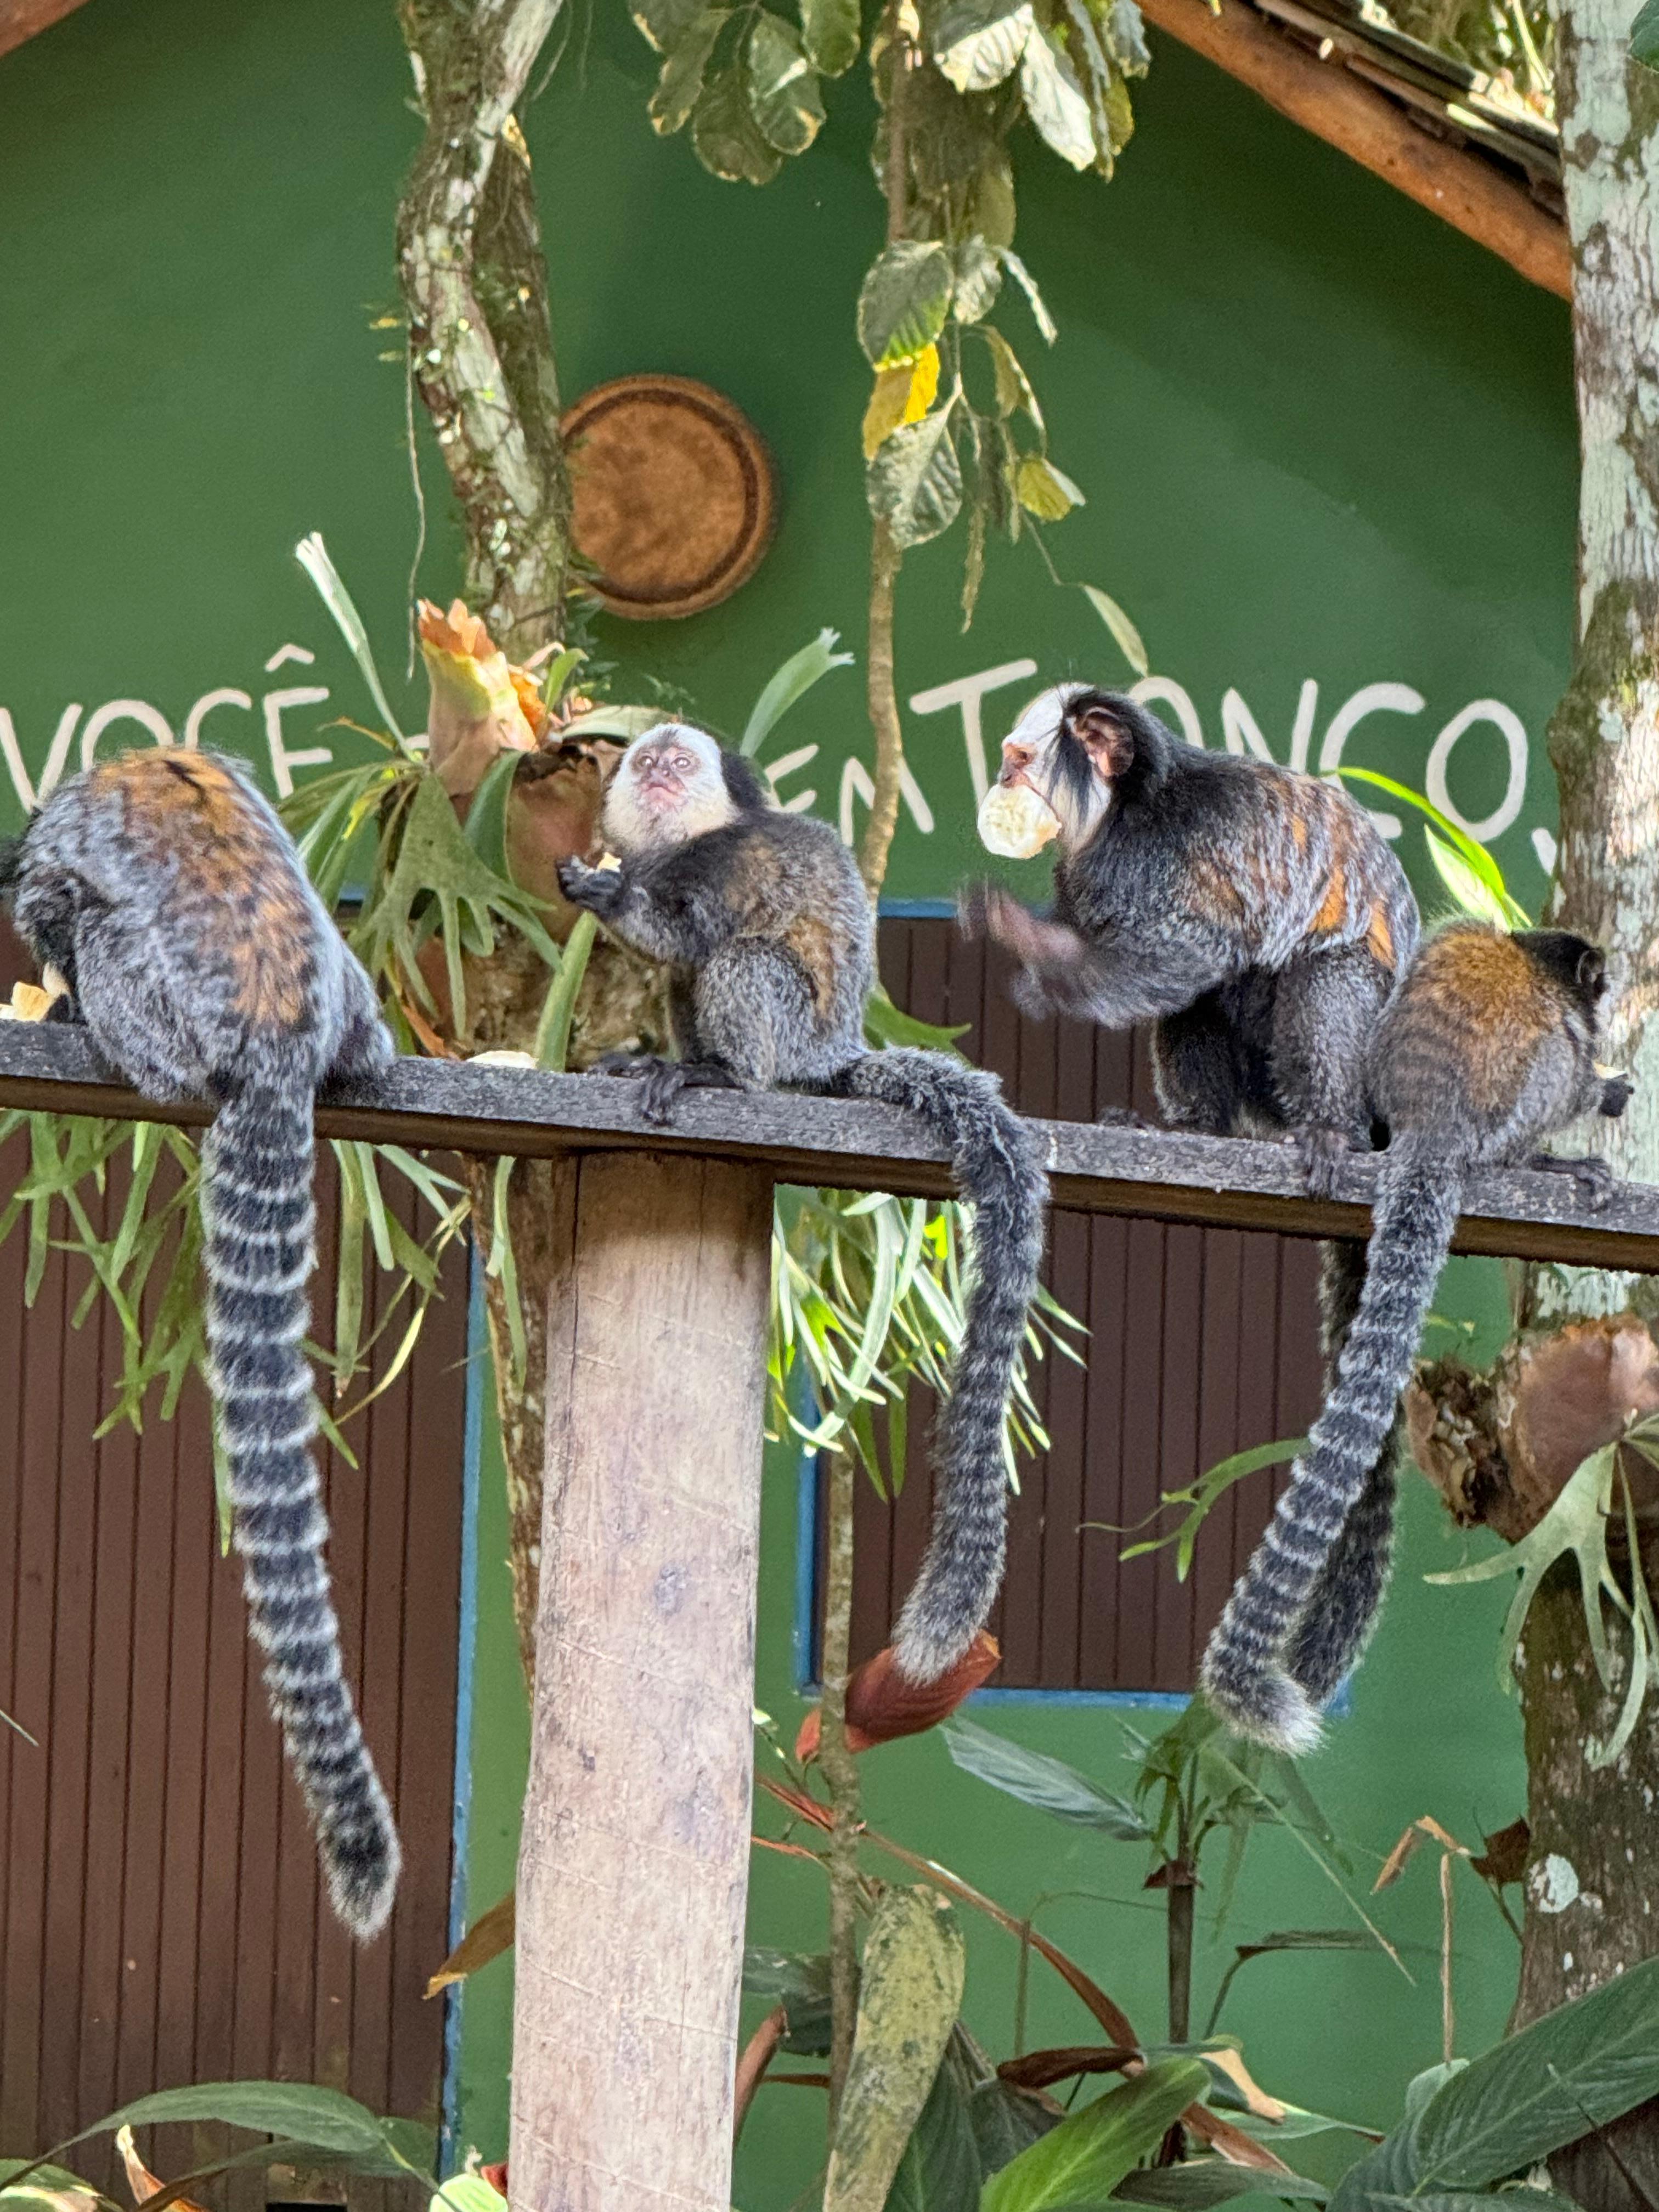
(596, 889)
(625, 1063)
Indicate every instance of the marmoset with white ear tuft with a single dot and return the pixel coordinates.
(766, 929)
(1256, 917)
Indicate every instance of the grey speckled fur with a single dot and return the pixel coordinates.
(1459, 1089)
(765, 925)
(171, 899)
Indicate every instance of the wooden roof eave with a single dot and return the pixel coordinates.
(1321, 90)
(20, 20)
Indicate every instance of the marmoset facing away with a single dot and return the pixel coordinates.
(1489, 1048)
(1256, 916)
(766, 928)
(173, 901)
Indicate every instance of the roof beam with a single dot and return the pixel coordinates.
(1225, 1182)
(21, 19)
(1327, 100)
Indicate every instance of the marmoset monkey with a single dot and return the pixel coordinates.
(1254, 915)
(1489, 1048)
(173, 901)
(767, 931)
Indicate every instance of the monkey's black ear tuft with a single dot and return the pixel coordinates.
(1592, 972)
(745, 786)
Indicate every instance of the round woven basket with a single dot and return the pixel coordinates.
(675, 495)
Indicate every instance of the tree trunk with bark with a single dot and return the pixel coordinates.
(1584, 1360)
(474, 281)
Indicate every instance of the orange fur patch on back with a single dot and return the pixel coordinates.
(1335, 911)
(188, 807)
(812, 942)
(1380, 936)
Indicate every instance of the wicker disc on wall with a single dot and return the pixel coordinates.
(675, 495)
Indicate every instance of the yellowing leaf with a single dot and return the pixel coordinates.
(901, 395)
(1043, 491)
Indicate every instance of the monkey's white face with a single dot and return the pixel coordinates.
(668, 787)
(1028, 764)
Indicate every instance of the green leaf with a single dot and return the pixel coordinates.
(1044, 491)
(1578, 2068)
(1027, 284)
(1126, 36)
(978, 280)
(1199, 2184)
(783, 86)
(1577, 1523)
(1080, 2163)
(680, 82)
(1035, 1779)
(903, 302)
(940, 2170)
(297, 2110)
(1055, 101)
(914, 482)
(1475, 854)
(1013, 386)
(909, 1992)
(1644, 36)
(1123, 630)
(830, 28)
(799, 1981)
(312, 554)
(1007, 2121)
(789, 683)
(991, 203)
(485, 827)
(665, 23)
(979, 42)
(726, 138)
(885, 1023)
(1472, 896)
(551, 1045)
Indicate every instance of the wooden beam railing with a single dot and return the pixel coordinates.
(633, 1863)
(1214, 1182)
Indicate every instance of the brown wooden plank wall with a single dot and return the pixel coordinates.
(1202, 1342)
(160, 1916)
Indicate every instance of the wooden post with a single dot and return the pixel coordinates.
(633, 1865)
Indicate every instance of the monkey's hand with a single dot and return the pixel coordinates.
(1055, 961)
(1616, 1092)
(598, 891)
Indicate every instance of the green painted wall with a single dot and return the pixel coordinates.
(1325, 441)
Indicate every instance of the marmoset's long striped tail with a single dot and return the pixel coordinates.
(997, 1168)
(1315, 1549)
(258, 1219)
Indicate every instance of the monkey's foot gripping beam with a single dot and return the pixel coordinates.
(633, 1861)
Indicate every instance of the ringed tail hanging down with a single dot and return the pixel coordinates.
(999, 1170)
(173, 901)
